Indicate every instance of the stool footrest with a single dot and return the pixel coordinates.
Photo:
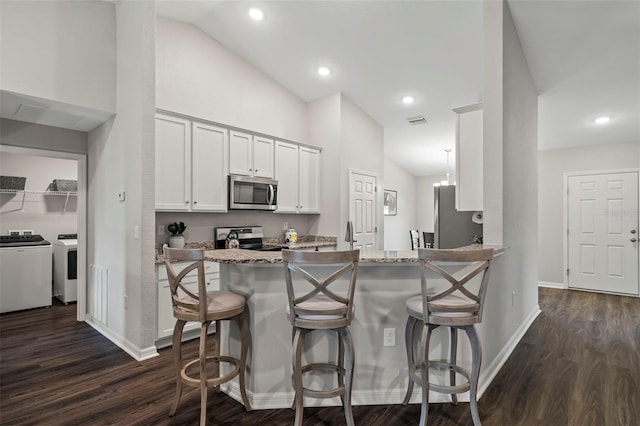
(416, 371)
(214, 381)
(328, 393)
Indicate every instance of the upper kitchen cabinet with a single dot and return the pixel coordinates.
(469, 147)
(250, 155)
(297, 173)
(191, 167)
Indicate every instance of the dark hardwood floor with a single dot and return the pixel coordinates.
(578, 364)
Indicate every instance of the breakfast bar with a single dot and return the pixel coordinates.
(385, 280)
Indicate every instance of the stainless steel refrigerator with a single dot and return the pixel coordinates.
(452, 228)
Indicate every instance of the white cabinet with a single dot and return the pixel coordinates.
(297, 173)
(191, 165)
(469, 148)
(250, 155)
(165, 319)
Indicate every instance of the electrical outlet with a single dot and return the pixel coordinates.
(389, 337)
(285, 226)
(27, 232)
(13, 232)
(121, 196)
(160, 229)
(136, 232)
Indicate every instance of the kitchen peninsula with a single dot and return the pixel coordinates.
(386, 279)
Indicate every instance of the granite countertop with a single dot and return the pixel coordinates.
(367, 256)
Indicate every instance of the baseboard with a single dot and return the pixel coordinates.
(390, 396)
(139, 354)
(551, 285)
(489, 373)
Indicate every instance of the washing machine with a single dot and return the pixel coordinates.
(65, 268)
(25, 272)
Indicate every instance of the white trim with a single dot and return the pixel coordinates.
(81, 159)
(390, 396)
(565, 216)
(139, 354)
(552, 285)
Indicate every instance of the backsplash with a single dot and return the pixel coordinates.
(200, 225)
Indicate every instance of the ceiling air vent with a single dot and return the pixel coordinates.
(418, 119)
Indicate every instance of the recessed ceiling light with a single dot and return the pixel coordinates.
(256, 14)
(602, 120)
(407, 100)
(324, 71)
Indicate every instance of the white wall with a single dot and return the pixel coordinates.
(552, 166)
(510, 169)
(59, 50)
(121, 158)
(44, 214)
(362, 148)
(324, 130)
(396, 228)
(197, 76)
(19, 133)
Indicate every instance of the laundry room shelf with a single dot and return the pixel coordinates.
(26, 191)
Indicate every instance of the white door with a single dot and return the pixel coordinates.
(240, 153)
(309, 193)
(173, 163)
(209, 184)
(262, 157)
(602, 240)
(286, 159)
(362, 208)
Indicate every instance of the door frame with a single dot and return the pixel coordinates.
(377, 225)
(565, 213)
(81, 159)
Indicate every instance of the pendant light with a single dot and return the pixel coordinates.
(446, 182)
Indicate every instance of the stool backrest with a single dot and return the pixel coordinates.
(297, 263)
(455, 300)
(197, 304)
(415, 238)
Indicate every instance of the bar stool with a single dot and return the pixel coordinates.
(316, 307)
(455, 302)
(205, 307)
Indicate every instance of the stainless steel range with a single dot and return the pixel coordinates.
(248, 237)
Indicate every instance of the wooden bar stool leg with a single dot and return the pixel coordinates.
(341, 363)
(476, 361)
(204, 328)
(345, 335)
(244, 347)
(424, 411)
(298, 339)
(453, 360)
(216, 353)
(408, 340)
(177, 361)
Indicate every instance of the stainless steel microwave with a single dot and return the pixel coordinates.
(252, 193)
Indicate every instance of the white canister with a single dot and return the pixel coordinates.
(176, 241)
(290, 236)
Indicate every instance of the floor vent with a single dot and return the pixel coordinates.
(98, 293)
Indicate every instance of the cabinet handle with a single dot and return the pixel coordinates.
(186, 202)
(195, 202)
(633, 240)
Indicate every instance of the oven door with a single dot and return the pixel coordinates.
(247, 193)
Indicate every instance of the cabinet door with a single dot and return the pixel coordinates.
(286, 168)
(240, 153)
(309, 169)
(209, 171)
(469, 148)
(173, 163)
(262, 157)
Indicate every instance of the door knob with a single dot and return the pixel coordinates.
(633, 240)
